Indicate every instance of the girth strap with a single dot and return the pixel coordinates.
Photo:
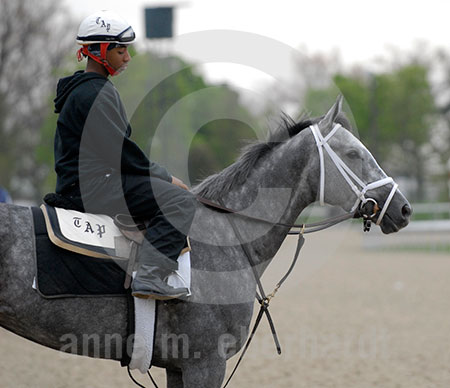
(263, 299)
(264, 309)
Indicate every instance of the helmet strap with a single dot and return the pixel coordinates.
(84, 51)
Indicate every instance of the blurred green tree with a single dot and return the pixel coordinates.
(191, 127)
(393, 112)
(441, 134)
(34, 40)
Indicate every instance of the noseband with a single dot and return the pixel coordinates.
(367, 207)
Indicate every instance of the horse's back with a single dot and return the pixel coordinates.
(24, 312)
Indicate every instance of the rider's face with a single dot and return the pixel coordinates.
(118, 58)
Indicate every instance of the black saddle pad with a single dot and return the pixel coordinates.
(61, 273)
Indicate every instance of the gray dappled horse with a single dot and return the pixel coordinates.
(275, 180)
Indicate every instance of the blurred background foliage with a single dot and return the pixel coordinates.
(401, 111)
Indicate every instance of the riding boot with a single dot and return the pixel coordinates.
(150, 280)
(150, 283)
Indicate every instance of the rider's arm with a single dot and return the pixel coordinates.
(107, 132)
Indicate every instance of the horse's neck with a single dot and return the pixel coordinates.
(278, 190)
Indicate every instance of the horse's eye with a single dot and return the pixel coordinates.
(353, 154)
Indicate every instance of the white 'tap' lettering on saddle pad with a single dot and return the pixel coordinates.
(84, 228)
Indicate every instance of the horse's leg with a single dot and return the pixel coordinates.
(174, 378)
(206, 373)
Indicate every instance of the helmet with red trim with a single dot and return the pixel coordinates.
(101, 31)
(105, 27)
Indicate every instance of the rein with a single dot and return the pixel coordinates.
(304, 228)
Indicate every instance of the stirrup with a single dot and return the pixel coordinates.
(156, 296)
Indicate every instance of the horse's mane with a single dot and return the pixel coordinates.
(215, 185)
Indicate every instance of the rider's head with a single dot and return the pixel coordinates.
(105, 37)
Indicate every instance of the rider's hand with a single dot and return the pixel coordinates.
(179, 183)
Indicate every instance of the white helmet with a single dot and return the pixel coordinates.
(105, 27)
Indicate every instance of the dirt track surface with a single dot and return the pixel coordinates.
(346, 318)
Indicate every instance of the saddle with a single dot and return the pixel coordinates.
(96, 235)
(74, 252)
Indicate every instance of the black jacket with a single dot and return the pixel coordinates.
(92, 134)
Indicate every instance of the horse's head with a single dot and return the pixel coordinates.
(351, 178)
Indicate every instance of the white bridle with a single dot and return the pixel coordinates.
(348, 175)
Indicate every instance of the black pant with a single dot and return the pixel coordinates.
(168, 208)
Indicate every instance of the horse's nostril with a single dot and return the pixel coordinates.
(406, 211)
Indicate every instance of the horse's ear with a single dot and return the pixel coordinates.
(326, 124)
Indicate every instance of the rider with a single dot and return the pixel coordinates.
(100, 170)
